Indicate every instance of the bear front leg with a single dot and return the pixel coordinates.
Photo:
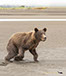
(20, 55)
(34, 53)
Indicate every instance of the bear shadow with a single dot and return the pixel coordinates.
(26, 61)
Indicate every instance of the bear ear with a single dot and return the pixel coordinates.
(35, 29)
(45, 29)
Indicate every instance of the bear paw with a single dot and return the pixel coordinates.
(36, 60)
(18, 58)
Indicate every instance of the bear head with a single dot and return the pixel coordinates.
(40, 35)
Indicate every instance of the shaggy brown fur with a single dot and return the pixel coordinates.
(20, 42)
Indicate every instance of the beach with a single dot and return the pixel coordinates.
(48, 13)
(52, 52)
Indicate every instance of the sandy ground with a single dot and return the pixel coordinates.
(52, 52)
(33, 17)
(34, 13)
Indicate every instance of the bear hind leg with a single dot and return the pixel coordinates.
(12, 52)
(10, 56)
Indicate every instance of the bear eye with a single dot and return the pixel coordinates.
(41, 33)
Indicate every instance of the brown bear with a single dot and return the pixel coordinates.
(20, 42)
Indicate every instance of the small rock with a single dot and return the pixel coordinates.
(60, 72)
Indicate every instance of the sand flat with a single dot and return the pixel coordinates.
(52, 52)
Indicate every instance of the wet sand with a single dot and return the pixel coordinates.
(34, 13)
(52, 52)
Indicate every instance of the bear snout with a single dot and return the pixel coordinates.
(43, 38)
